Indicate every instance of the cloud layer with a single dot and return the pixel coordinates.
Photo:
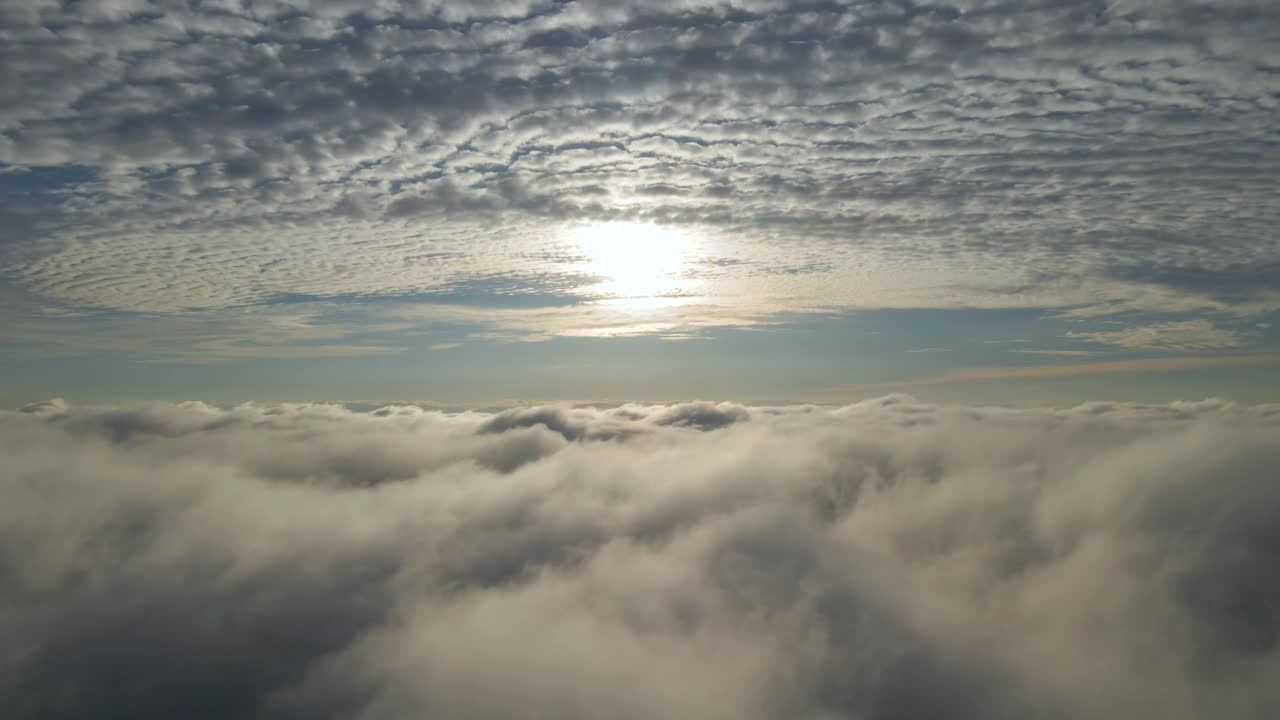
(883, 560)
(178, 155)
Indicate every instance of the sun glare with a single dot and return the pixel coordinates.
(632, 260)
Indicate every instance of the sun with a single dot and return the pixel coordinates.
(632, 260)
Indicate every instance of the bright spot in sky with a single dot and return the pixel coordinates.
(633, 260)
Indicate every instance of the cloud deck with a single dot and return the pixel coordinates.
(883, 560)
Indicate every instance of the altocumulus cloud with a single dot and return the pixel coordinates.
(1094, 152)
(887, 559)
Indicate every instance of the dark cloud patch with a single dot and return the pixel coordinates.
(1084, 563)
(573, 424)
(559, 38)
(216, 645)
(1236, 283)
(703, 415)
(618, 423)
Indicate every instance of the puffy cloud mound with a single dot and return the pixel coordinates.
(889, 559)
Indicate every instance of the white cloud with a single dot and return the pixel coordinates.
(1185, 336)
(1061, 353)
(300, 330)
(1078, 154)
(885, 559)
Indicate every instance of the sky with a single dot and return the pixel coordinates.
(473, 204)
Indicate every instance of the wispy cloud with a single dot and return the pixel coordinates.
(1061, 353)
(1182, 336)
(1051, 371)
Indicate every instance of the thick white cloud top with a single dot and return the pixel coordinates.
(883, 560)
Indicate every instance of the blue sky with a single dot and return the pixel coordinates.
(492, 203)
